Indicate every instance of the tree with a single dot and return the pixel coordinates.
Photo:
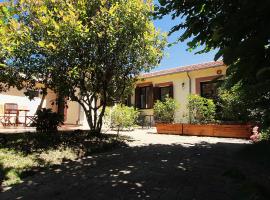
(91, 51)
(240, 31)
(20, 67)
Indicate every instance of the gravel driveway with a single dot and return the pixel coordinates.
(154, 167)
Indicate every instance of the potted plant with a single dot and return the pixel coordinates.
(164, 113)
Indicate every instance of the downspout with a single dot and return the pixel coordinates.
(189, 90)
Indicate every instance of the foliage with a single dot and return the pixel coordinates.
(239, 30)
(47, 121)
(25, 154)
(202, 110)
(265, 134)
(88, 50)
(231, 103)
(122, 116)
(164, 112)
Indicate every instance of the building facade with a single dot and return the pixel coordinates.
(178, 83)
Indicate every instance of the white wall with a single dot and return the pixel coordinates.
(16, 96)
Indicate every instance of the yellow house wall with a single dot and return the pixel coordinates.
(180, 93)
(73, 112)
(50, 101)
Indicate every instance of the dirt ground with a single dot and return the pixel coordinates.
(154, 167)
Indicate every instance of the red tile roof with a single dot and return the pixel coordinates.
(183, 69)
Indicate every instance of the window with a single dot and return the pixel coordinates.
(144, 97)
(164, 93)
(209, 89)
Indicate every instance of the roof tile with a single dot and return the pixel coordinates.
(183, 69)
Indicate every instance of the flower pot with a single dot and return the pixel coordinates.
(175, 129)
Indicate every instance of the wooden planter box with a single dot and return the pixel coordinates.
(175, 129)
(234, 131)
(218, 130)
(198, 129)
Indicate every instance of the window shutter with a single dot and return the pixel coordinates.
(156, 94)
(137, 98)
(150, 97)
(171, 91)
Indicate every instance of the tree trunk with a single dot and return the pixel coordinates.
(61, 106)
(44, 94)
(95, 119)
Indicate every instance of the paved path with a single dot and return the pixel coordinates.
(152, 167)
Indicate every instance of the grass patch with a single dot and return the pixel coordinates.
(23, 154)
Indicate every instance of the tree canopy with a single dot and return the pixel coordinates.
(240, 31)
(88, 51)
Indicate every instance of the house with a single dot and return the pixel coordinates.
(177, 83)
(74, 114)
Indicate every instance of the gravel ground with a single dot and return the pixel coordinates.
(154, 167)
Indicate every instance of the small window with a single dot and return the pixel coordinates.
(164, 93)
(209, 89)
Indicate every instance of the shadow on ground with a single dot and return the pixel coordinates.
(31, 142)
(201, 171)
(24, 154)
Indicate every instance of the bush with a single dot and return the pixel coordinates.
(47, 121)
(265, 134)
(202, 110)
(164, 112)
(231, 103)
(121, 116)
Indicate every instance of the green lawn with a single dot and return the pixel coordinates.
(24, 154)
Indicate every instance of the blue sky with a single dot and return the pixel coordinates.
(177, 55)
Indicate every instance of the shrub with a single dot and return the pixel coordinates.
(231, 103)
(121, 116)
(47, 121)
(265, 134)
(202, 110)
(164, 112)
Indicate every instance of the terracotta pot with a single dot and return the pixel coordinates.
(175, 129)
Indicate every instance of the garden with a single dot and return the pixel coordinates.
(206, 117)
(92, 53)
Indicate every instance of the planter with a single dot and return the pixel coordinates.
(198, 129)
(234, 131)
(212, 130)
(175, 129)
(218, 130)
